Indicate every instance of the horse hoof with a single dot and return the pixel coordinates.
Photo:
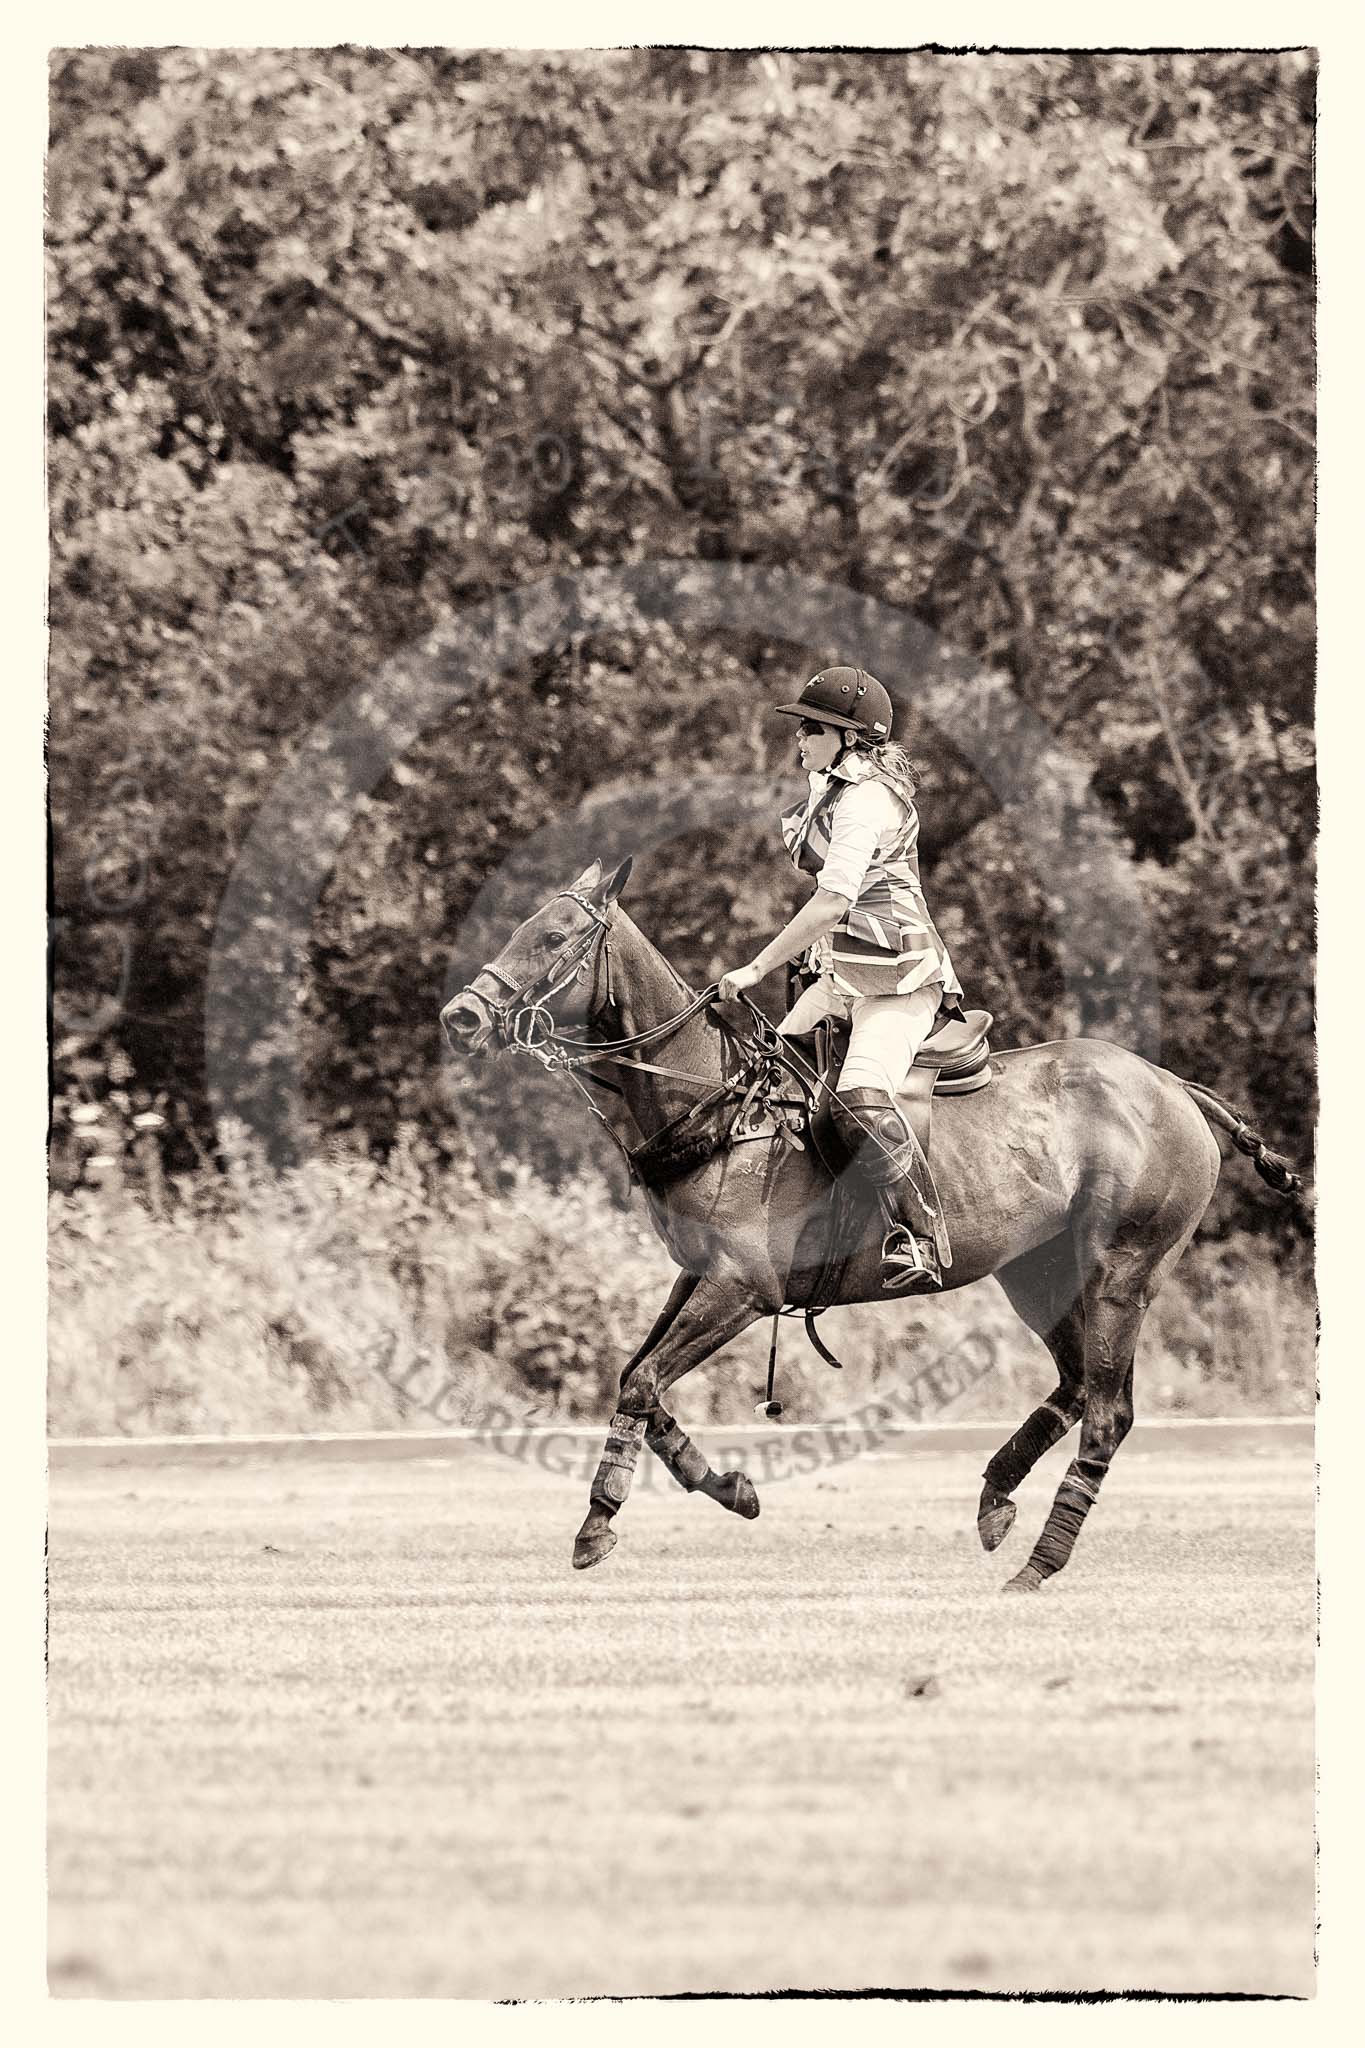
(737, 1493)
(591, 1549)
(995, 1524)
(1026, 1581)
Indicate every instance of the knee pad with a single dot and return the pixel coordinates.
(868, 1108)
(876, 1134)
(856, 1111)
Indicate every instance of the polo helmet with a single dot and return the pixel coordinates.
(845, 697)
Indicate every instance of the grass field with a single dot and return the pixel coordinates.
(348, 1729)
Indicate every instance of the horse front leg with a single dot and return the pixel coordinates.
(716, 1310)
(667, 1438)
(687, 1464)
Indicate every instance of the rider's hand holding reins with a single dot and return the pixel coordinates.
(739, 978)
(811, 922)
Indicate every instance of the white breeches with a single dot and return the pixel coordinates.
(887, 1031)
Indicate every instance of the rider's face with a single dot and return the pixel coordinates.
(819, 745)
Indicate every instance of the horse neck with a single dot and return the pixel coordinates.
(645, 991)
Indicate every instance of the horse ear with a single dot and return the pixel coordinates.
(589, 880)
(614, 884)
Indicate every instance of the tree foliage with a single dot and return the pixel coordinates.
(344, 341)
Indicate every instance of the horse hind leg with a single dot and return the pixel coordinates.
(1118, 1293)
(1124, 1256)
(1044, 1288)
(1112, 1325)
(1124, 1267)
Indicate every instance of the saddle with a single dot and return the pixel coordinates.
(953, 1060)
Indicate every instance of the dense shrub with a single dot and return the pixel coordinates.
(349, 1295)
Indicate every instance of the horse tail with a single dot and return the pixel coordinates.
(1273, 1167)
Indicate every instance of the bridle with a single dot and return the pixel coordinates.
(524, 1022)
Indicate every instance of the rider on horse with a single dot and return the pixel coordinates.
(870, 943)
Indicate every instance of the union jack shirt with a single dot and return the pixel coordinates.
(858, 831)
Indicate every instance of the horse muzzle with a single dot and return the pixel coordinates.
(466, 1023)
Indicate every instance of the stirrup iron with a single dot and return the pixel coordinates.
(909, 1264)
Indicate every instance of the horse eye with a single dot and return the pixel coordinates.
(558, 938)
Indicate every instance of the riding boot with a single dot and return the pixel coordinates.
(887, 1155)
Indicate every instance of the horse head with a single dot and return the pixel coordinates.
(558, 946)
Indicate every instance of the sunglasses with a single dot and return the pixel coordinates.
(810, 728)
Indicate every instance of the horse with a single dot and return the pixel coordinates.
(1077, 1178)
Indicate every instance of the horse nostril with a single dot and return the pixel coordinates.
(460, 1019)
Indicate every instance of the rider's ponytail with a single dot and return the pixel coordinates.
(892, 764)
